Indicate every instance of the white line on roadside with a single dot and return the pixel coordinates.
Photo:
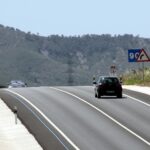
(48, 120)
(135, 99)
(105, 114)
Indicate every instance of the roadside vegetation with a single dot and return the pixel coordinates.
(58, 60)
(137, 77)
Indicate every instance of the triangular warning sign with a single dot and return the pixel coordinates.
(143, 56)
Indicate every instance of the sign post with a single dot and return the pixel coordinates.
(143, 72)
(113, 70)
(138, 55)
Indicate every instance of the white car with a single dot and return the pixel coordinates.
(16, 84)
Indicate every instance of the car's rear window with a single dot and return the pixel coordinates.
(110, 80)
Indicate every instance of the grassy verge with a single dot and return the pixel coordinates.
(136, 77)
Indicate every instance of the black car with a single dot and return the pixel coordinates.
(107, 85)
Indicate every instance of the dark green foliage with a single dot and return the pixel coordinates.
(60, 60)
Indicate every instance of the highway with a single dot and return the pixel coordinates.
(72, 118)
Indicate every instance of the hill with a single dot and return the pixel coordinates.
(61, 60)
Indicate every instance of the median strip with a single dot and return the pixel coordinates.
(14, 136)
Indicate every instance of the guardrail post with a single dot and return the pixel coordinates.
(15, 112)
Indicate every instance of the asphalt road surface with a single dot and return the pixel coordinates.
(72, 118)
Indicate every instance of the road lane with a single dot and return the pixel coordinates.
(34, 121)
(144, 97)
(127, 111)
(88, 128)
(49, 121)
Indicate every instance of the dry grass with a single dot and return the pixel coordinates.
(136, 77)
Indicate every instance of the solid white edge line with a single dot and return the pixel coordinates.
(47, 119)
(135, 99)
(105, 114)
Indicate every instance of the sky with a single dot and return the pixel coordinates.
(77, 17)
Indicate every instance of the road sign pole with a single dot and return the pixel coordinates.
(143, 73)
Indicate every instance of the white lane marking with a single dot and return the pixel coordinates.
(135, 99)
(105, 114)
(47, 119)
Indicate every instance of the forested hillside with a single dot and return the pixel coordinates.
(60, 60)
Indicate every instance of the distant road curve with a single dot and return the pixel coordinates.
(79, 120)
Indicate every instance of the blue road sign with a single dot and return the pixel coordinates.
(133, 55)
